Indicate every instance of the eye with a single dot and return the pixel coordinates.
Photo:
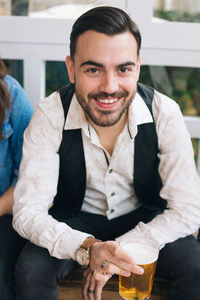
(124, 70)
(92, 70)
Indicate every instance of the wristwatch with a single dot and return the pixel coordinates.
(82, 254)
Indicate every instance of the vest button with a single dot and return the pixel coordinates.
(110, 171)
(112, 210)
(112, 194)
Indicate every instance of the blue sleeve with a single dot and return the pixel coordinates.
(21, 114)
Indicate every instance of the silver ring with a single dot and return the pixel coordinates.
(103, 264)
(90, 291)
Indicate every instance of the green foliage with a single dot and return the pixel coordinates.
(181, 84)
(177, 16)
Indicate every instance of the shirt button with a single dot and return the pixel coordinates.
(110, 171)
(112, 210)
(112, 194)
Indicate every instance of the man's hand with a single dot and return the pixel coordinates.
(92, 287)
(109, 257)
(106, 258)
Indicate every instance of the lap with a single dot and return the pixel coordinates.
(37, 262)
(178, 257)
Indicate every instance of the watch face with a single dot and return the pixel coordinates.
(82, 257)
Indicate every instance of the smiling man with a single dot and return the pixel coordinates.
(106, 159)
(105, 70)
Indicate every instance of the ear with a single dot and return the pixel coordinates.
(138, 67)
(70, 69)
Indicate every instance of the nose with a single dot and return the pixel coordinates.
(109, 83)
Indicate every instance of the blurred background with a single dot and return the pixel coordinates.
(34, 41)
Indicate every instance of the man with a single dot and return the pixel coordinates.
(110, 161)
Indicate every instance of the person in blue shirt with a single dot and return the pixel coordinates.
(15, 114)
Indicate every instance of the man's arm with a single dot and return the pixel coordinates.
(37, 184)
(181, 183)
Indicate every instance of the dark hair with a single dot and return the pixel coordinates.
(104, 19)
(4, 97)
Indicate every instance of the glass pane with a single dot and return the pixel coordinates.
(179, 83)
(15, 69)
(52, 8)
(177, 10)
(56, 76)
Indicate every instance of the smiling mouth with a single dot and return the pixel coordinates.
(107, 101)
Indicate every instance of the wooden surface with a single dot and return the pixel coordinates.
(70, 288)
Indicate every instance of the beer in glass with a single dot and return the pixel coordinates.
(145, 254)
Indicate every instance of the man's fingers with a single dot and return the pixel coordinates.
(102, 277)
(92, 288)
(112, 252)
(120, 267)
(99, 288)
(92, 284)
(85, 283)
(116, 269)
(113, 269)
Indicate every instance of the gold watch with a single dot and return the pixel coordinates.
(82, 254)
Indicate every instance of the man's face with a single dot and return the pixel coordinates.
(105, 71)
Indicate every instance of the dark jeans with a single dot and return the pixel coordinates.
(38, 274)
(10, 246)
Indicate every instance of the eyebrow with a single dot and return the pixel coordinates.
(91, 63)
(128, 63)
(96, 64)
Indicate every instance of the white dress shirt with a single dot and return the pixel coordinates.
(112, 194)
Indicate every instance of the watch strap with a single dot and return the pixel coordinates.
(89, 241)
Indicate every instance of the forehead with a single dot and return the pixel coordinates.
(102, 48)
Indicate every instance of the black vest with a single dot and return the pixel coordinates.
(72, 172)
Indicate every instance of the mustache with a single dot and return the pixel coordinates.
(103, 95)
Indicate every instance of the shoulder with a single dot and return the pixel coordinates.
(51, 108)
(165, 106)
(170, 126)
(13, 86)
(18, 97)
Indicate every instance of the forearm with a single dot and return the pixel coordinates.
(35, 224)
(6, 201)
(167, 227)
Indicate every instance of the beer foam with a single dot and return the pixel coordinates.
(141, 253)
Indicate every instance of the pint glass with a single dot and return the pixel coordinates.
(145, 254)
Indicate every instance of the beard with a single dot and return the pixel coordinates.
(107, 117)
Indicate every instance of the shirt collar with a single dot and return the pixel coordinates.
(138, 114)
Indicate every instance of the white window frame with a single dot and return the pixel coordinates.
(36, 40)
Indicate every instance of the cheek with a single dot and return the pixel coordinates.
(130, 85)
(86, 85)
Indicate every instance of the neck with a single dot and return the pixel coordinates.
(108, 135)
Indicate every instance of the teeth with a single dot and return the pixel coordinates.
(110, 101)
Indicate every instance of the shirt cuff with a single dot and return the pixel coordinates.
(67, 245)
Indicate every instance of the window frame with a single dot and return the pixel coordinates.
(19, 39)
